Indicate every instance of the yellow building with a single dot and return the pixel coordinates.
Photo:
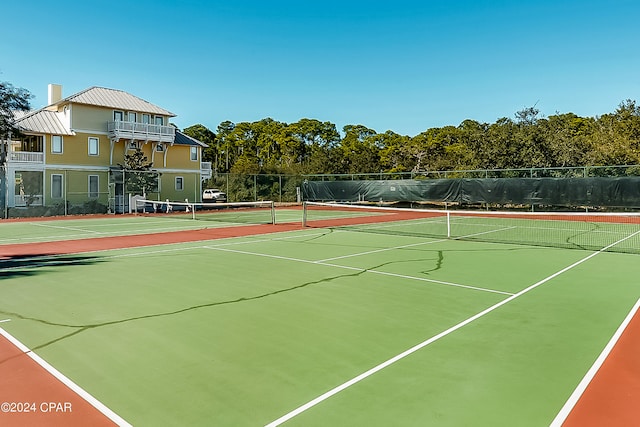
(71, 153)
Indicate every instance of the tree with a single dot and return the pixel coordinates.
(202, 134)
(224, 145)
(527, 116)
(270, 137)
(500, 152)
(311, 145)
(527, 140)
(243, 149)
(359, 150)
(569, 139)
(396, 154)
(429, 148)
(474, 135)
(138, 176)
(11, 99)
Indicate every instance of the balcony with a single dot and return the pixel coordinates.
(26, 157)
(140, 131)
(205, 170)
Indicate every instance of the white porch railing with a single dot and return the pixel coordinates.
(140, 131)
(33, 200)
(26, 156)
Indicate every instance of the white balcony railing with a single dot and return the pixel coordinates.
(205, 170)
(140, 131)
(26, 156)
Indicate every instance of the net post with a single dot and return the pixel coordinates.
(304, 214)
(448, 225)
(190, 206)
(273, 212)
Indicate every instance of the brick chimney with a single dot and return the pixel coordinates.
(55, 93)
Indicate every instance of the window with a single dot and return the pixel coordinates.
(118, 116)
(146, 119)
(93, 146)
(133, 145)
(56, 144)
(194, 153)
(179, 183)
(159, 147)
(56, 186)
(93, 186)
(159, 120)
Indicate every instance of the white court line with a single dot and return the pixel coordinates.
(577, 393)
(358, 269)
(92, 232)
(439, 282)
(433, 339)
(209, 245)
(66, 381)
(414, 244)
(5, 320)
(191, 225)
(375, 251)
(224, 242)
(37, 224)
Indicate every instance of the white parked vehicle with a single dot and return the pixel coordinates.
(213, 195)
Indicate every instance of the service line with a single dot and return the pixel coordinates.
(359, 269)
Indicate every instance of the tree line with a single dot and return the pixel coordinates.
(527, 140)
(311, 146)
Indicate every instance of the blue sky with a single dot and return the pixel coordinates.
(401, 65)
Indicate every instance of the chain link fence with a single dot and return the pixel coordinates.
(254, 188)
(73, 192)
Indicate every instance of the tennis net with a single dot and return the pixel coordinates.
(615, 232)
(261, 212)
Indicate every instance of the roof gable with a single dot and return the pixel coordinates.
(113, 98)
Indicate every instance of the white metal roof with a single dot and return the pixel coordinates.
(113, 98)
(42, 121)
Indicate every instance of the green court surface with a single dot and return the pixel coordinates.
(243, 331)
(37, 230)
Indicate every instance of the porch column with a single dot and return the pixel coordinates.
(113, 141)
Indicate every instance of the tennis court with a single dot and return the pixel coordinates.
(358, 318)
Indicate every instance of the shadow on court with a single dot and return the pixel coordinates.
(31, 265)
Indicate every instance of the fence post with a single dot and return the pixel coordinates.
(65, 192)
(5, 190)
